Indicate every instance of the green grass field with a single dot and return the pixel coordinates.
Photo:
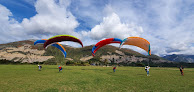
(93, 79)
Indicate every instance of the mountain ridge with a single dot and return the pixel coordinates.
(180, 58)
(25, 52)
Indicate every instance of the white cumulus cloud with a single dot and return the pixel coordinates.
(112, 27)
(51, 18)
(10, 29)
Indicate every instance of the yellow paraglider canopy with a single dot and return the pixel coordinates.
(137, 41)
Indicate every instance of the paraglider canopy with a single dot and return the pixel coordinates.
(40, 41)
(105, 42)
(60, 38)
(137, 41)
(57, 45)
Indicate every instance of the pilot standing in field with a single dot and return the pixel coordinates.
(147, 68)
(181, 70)
(39, 67)
(114, 69)
(60, 68)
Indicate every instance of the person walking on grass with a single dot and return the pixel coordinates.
(181, 70)
(114, 68)
(39, 67)
(60, 68)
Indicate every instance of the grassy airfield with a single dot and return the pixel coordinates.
(93, 79)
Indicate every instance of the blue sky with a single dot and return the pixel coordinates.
(19, 8)
(166, 24)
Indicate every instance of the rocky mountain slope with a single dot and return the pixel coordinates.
(22, 51)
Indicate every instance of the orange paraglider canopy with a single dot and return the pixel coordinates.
(137, 41)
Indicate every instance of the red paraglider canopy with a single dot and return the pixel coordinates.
(105, 42)
(60, 38)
